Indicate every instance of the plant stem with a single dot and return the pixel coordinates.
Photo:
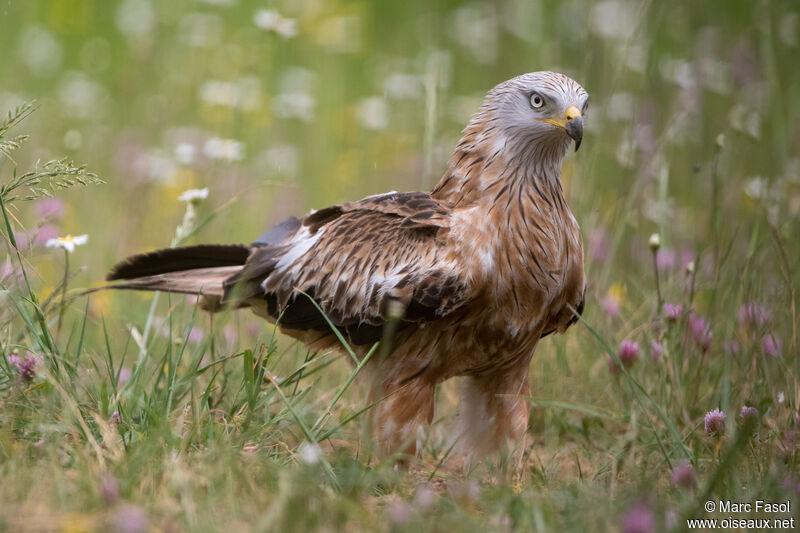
(658, 286)
(63, 291)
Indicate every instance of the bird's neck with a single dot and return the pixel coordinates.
(486, 161)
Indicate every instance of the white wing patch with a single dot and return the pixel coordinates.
(302, 243)
(385, 282)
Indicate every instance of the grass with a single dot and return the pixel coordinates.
(144, 413)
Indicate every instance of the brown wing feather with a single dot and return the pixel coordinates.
(418, 209)
(353, 260)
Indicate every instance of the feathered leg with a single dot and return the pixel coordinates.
(493, 410)
(399, 421)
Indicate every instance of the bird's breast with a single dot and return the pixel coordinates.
(525, 260)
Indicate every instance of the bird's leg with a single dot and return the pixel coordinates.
(400, 419)
(493, 410)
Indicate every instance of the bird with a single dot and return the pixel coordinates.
(461, 281)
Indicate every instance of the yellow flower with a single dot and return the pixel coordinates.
(613, 300)
(617, 292)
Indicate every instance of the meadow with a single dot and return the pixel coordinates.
(138, 412)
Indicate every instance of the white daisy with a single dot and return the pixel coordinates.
(68, 243)
(193, 195)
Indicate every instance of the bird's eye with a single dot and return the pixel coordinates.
(537, 101)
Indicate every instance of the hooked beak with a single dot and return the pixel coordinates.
(572, 124)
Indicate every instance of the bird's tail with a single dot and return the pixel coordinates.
(191, 270)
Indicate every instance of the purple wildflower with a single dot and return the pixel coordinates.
(748, 417)
(628, 354)
(673, 311)
(124, 376)
(610, 305)
(638, 520)
(701, 331)
(50, 208)
(748, 413)
(45, 233)
(115, 418)
(771, 345)
(656, 350)
(684, 476)
(797, 419)
(25, 367)
(715, 423)
(753, 314)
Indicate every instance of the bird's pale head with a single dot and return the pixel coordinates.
(539, 114)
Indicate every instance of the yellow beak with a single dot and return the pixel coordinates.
(572, 124)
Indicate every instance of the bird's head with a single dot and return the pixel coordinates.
(539, 113)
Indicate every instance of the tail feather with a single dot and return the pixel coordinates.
(205, 281)
(175, 260)
(190, 270)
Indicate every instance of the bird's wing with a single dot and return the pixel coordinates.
(355, 260)
(417, 209)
